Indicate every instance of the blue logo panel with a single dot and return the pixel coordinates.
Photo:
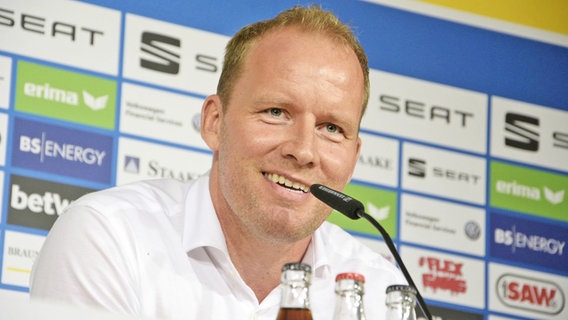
(530, 242)
(69, 152)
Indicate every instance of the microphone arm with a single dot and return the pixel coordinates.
(354, 210)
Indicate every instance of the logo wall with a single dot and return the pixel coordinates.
(92, 97)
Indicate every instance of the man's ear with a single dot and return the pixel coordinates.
(211, 115)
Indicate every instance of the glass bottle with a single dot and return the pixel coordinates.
(401, 301)
(295, 287)
(349, 291)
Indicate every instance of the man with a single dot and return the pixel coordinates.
(286, 115)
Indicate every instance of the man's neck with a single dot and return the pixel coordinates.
(259, 262)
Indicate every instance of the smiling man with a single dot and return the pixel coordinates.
(286, 115)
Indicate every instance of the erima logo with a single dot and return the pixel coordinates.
(159, 53)
(523, 130)
(376, 212)
(515, 189)
(47, 92)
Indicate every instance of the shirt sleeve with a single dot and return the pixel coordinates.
(87, 259)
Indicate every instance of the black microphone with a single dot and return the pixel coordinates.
(354, 210)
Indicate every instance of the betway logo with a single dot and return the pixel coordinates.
(52, 149)
(48, 92)
(513, 188)
(49, 203)
(36, 203)
(531, 294)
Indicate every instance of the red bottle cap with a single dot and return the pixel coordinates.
(350, 275)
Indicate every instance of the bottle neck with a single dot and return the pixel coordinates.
(400, 306)
(295, 295)
(349, 300)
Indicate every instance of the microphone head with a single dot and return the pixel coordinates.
(338, 201)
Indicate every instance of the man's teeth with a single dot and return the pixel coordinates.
(283, 181)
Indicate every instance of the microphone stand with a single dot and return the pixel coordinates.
(392, 249)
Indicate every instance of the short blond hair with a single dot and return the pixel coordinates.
(312, 18)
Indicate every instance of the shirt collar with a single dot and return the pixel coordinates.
(202, 228)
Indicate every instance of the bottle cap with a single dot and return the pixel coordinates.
(297, 266)
(350, 275)
(402, 288)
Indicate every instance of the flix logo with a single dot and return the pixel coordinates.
(443, 275)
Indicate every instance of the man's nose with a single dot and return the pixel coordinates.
(301, 144)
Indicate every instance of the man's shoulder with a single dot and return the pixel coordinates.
(342, 246)
(160, 195)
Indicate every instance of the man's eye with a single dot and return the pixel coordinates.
(332, 128)
(275, 112)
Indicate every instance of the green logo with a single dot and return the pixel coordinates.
(65, 95)
(379, 204)
(529, 191)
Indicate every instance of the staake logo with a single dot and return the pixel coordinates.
(444, 274)
(65, 95)
(529, 190)
(530, 294)
(155, 170)
(60, 150)
(160, 52)
(378, 161)
(37, 203)
(131, 164)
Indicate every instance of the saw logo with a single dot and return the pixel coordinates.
(48, 92)
(531, 294)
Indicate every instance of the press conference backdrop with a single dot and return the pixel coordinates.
(465, 140)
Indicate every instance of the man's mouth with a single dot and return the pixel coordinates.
(295, 186)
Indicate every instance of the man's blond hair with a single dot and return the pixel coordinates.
(313, 19)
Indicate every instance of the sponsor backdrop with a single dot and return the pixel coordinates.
(465, 141)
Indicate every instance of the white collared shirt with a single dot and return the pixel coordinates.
(155, 249)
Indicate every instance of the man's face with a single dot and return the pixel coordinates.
(292, 121)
